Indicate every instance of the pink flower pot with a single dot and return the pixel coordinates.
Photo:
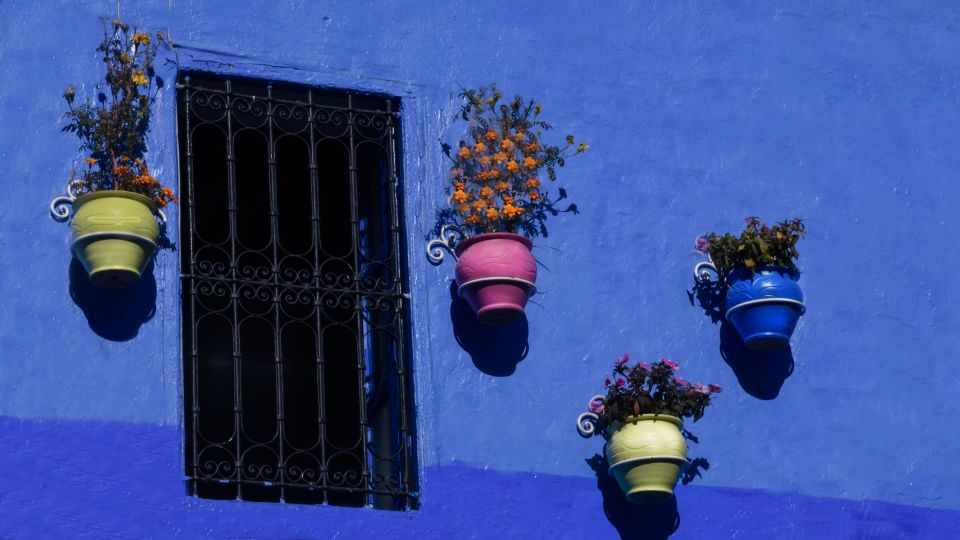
(496, 274)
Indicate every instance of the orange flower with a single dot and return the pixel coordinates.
(511, 211)
(139, 78)
(502, 186)
(507, 200)
(463, 209)
(459, 185)
(480, 147)
(486, 192)
(507, 144)
(488, 174)
(513, 166)
(533, 183)
(531, 148)
(464, 152)
(519, 136)
(484, 160)
(141, 39)
(529, 162)
(491, 135)
(91, 161)
(534, 195)
(455, 173)
(479, 204)
(472, 219)
(500, 157)
(492, 213)
(167, 192)
(460, 196)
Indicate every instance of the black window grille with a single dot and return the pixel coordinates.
(297, 385)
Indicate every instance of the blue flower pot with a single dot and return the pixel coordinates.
(764, 306)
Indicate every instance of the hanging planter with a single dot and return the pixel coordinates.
(640, 417)
(647, 454)
(115, 199)
(764, 305)
(496, 274)
(757, 271)
(498, 202)
(114, 236)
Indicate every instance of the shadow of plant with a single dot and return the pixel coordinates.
(651, 521)
(494, 350)
(760, 373)
(114, 314)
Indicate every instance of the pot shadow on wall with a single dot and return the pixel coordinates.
(648, 521)
(760, 373)
(114, 314)
(494, 349)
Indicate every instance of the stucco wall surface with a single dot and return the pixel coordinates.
(843, 113)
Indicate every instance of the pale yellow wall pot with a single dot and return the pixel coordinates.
(115, 235)
(647, 454)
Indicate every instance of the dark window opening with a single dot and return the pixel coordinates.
(297, 385)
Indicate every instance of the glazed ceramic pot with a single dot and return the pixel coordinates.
(496, 274)
(764, 306)
(647, 454)
(114, 236)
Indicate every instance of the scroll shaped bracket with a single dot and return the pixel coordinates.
(61, 207)
(702, 271)
(588, 421)
(450, 236)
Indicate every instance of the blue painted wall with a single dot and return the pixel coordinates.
(843, 113)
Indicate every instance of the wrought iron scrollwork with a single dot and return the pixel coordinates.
(450, 236)
(588, 421)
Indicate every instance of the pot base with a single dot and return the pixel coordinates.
(648, 481)
(114, 263)
(499, 313)
(767, 342)
(115, 278)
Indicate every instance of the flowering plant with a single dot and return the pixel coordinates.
(113, 130)
(757, 245)
(650, 389)
(496, 179)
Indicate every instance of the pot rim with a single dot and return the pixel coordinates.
(492, 236)
(650, 417)
(120, 193)
(743, 272)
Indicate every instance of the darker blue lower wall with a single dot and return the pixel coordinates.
(117, 480)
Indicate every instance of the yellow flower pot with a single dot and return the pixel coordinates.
(114, 236)
(647, 454)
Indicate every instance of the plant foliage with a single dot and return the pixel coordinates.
(758, 245)
(497, 182)
(650, 389)
(112, 129)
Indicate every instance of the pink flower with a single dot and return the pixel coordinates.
(702, 243)
(701, 388)
(596, 407)
(644, 365)
(670, 364)
(622, 360)
(715, 389)
(620, 381)
(681, 382)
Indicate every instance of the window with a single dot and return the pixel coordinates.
(296, 377)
